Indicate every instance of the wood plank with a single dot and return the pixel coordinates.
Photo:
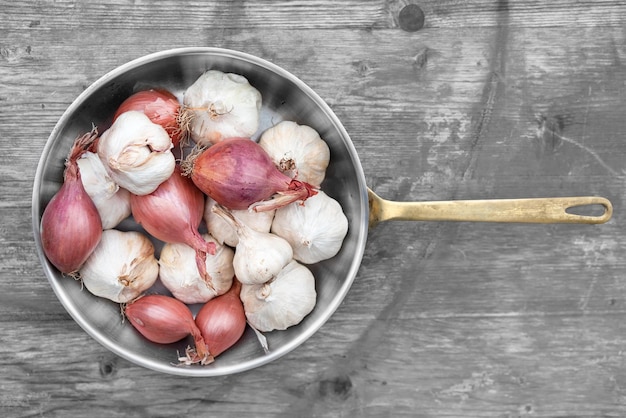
(324, 14)
(490, 99)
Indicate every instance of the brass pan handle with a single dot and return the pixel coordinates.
(535, 210)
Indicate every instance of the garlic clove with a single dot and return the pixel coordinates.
(298, 151)
(259, 256)
(222, 105)
(179, 274)
(315, 230)
(224, 233)
(121, 267)
(112, 201)
(282, 302)
(137, 153)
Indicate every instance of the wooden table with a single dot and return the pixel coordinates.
(489, 99)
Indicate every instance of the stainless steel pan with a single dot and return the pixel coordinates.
(285, 97)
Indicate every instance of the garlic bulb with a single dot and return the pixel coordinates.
(222, 105)
(315, 229)
(298, 151)
(121, 267)
(179, 274)
(224, 233)
(112, 202)
(259, 256)
(137, 153)
(283, 301)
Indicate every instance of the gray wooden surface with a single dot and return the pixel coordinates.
(490, 99)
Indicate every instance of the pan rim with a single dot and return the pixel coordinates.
(360, 234)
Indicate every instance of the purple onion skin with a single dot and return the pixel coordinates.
(222, 320)
(173, 212)
(70, 225)
(237, 172)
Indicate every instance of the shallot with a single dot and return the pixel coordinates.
(164, 320)
(70, 225)
(161, 107)
(173, 213)
(222, 320)
(238, 174)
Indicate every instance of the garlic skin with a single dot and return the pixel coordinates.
(121, 267)
(224, 233)
(259, 256)
(112, 201)
(137, 153)
(222, 105)
(283, 301)
(179, 274)
(315, 229)
(298, 151)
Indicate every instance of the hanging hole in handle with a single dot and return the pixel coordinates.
(595, 210)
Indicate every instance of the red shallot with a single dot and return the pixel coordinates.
(222, 320)
(172, 213)
(238, 174)
(164, 320)
(162, 108)
(70, 225)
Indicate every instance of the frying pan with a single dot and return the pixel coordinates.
(285, 97)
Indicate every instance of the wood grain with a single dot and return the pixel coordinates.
(490, 99)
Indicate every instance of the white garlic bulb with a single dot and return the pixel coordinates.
(179, 274)
(315, 229)
(112, 201)
(137, 153)
(298, 151)
(121, 267)
(283, 301)
(222, 105)
(259, 256)
(224, 233)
